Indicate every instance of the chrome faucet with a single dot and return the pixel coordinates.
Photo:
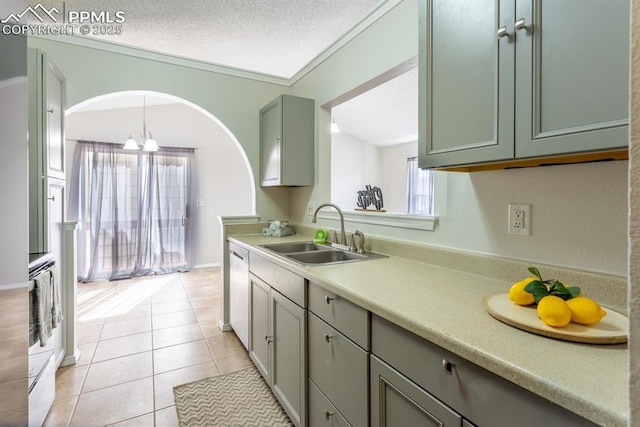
(343, 236)
(361, 235)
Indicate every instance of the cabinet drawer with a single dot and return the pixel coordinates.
(322, 412)
(396, 401)
(474, 392)
(287, 283)
(339, 368)
(350, 319)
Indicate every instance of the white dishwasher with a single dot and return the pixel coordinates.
(239, 292)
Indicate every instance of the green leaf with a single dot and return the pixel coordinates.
(574, 291)
(535, 272)
(559, 290)
(537, 289)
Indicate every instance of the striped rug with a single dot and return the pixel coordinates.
(240, 398)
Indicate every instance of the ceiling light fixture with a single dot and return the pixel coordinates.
(334, 127)
(148, 143)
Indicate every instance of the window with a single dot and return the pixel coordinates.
(419, 189)
(133, 210)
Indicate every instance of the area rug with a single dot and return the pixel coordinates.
(239, 398)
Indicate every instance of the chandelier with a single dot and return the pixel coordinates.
(147, 143)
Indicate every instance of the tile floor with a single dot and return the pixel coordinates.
(137, 339)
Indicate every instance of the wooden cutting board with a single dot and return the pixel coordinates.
(612, 329)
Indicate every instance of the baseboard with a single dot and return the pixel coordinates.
(215, 264)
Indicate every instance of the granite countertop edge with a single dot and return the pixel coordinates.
(481, 339)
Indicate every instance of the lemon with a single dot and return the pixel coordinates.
(554, 311)
(585, 311)
(517, 293)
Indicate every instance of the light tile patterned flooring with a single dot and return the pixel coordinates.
(137, 339)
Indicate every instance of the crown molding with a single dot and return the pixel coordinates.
(109, 46)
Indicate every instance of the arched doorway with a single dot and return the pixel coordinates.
(226, 180)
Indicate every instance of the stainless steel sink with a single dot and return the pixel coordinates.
(324, 257)
(309, 253)
(288, 248)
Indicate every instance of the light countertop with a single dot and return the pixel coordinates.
(444, 306)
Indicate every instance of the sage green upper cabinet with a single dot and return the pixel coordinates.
(286, 142)
(46, 149)
(521, 79)
(572, 76)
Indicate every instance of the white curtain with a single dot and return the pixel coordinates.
(419, 189)
(135, 210)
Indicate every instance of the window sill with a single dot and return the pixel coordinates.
(415, 222)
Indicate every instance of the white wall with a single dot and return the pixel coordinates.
(224, 181)
(354, 165)
(394, 174)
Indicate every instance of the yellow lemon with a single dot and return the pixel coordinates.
(585, 311)
(517, 293)
(554, 311)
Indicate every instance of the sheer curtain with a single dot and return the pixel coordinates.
(419, 189)
(134, 210)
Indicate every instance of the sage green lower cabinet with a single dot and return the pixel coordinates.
(321, 410)
(288, 347)
(338, 337)
(259, 331)
(479, 396)
(277, 346)
(397, 402)
(338, 367)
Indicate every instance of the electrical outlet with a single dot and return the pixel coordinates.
(310, 208)
(520, 219)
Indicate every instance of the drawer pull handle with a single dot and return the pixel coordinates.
(328, 299)
(267, 338)
(327, 414)
(447, 366)
(328, 337)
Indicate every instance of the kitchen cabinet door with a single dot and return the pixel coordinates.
(289, 355)
(46, 141)
(398, 402)
(287, 142)
(259, 326)
(466, 82)
(572, 76)
(54, 85)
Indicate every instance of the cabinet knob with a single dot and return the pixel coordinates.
(267, 338)
(520, 25)
(502, 32)
(328, 337)
(50, 110)
(52, 198)
(447, 366)
(327, 414)
(328, 299)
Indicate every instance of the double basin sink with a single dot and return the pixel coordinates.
(309, 253)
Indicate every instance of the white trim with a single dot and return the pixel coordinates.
(213, 264)
(370, 19)
(427, 223)
(108, 46)
(240, 219)
(113, 47)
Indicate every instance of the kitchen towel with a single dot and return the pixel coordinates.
(45, 310)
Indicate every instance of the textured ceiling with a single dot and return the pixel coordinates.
(273, 37)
